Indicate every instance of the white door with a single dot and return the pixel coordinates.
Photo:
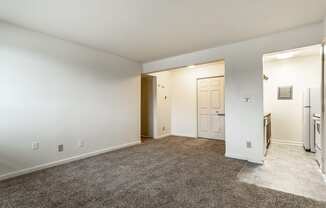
(210, 93)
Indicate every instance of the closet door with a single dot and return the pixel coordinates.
(210, 95)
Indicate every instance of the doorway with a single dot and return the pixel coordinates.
(147, 107)
(210, 107)
(293, 109)
(175, 102)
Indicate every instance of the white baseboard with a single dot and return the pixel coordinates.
(234, 156)
(261, 162)
(144, 136)
(64, 161)
(183, 135)
(195, 136)
(287, 142)
(240, 157)
(162, 136)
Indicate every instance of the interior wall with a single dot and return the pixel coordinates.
(325, 27)
(323, 114)
(184, 96)
(162, 112)
(56, 92)
(243, 79)
(287, 115)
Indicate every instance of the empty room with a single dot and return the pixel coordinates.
(162, 104)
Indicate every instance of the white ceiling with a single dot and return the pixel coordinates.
(146, 30)
(314, 50)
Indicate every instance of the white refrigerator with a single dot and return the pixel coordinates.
(311, 106)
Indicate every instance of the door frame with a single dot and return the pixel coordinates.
(323, 107)
(322, 119)
(197, 120)
(153, 102)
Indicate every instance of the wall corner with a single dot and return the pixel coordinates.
(324, 35)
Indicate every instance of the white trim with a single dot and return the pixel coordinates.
(64, 161)
(286, 141)
(197, 117)
(162, 136)
(155, 113)
(322, 114)
(194, 137)
(234, 156)
(260, 162)
(239, 157)
(184, 135)
(322, 175)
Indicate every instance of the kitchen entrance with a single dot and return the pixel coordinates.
(292, 105)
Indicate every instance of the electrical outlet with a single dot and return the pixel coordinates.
(248, 144)
(60, 148)
(81, 143)
(35, 145)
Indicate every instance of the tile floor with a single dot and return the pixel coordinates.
(289, 169)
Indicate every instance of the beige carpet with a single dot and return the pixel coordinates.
(168, 173)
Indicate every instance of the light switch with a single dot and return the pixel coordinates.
(248, 144)
(245, 99)
(35, 145)
(60, 148)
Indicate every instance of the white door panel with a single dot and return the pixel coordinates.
(216, 100)
(203, 101)
(204, 123)
(211, 108)
(216, 128)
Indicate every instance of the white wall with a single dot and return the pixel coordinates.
(162, 112)
(178, 113)
(184, 96)
(325, 27)
(56, 92)
(323, 116)
(243, 78)
(287, 115)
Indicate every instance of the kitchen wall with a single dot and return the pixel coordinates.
(287, 115)
(57, 92)
(184, 96)
(162, 105)
(243, 79)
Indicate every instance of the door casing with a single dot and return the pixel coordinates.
(197, 100)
